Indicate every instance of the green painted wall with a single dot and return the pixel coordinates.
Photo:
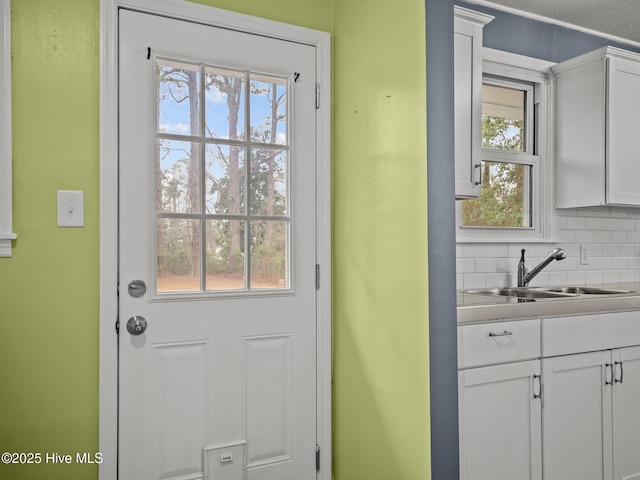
(49, 289)
(381, 390)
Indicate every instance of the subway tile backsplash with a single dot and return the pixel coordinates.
(612, 238)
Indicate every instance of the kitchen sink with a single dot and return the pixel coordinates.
(520, 292)
(533, 293)
(583, 290)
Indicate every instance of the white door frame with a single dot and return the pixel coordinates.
(181, 9)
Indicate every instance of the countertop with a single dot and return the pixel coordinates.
(476, 308)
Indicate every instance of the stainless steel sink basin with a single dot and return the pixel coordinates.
(520, 292)
(534, 293)
(583, 290)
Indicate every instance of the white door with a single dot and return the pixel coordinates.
(500, 419)
(217, 219)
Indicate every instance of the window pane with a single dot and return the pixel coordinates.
(224, 104)
(505, 197)
(268, 109)
(269, 254)
(240, 120)
(178, 182)
(178, 97)
(268, 182)
(225, 182)
(225, 255)
(503, 114)
(178, 255)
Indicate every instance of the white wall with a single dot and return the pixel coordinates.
(612, 237)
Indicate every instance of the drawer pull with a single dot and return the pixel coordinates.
(506, 333)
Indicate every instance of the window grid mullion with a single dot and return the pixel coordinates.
(247, 179)
(203, 184)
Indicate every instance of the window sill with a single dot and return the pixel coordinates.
(510, 235)
(509, 240)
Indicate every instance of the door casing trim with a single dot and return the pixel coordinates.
(181, 9)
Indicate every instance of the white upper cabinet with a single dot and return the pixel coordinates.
(468, 100)
(598, 120)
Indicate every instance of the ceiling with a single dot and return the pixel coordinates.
(619, 18)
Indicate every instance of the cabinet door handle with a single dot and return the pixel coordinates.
(608, 367)
(506, 333)
(479, 167)
(616, 380)
(539, 381)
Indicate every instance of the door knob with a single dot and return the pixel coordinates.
(136, 325)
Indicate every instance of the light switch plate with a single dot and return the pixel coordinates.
(584, 255)
(70, 208)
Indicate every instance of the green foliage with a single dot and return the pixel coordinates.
(502, 133)
(501, 203)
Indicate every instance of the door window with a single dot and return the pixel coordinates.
(222, 179)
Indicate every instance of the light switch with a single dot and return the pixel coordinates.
(70, 208)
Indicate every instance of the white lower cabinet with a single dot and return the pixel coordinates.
(500, 413)
(499, 401)
(552, 399)
(591, 419)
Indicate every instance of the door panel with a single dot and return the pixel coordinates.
(268, 387)
(217, 366)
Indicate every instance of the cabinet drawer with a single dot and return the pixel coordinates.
(498, 342)
(588, 333)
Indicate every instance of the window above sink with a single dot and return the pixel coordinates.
(516, 203)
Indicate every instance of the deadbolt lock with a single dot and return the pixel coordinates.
(137, 288)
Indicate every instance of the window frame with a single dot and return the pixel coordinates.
(520, 69)
(6, 233)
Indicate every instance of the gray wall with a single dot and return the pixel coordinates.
(442, 254)
(532, 38)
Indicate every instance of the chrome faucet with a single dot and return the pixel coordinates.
(524, 277)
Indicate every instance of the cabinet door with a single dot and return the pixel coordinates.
(580, 139)
(626, 414)
(623, 120)
(468, 107)
(500, 422)
(577, 416)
